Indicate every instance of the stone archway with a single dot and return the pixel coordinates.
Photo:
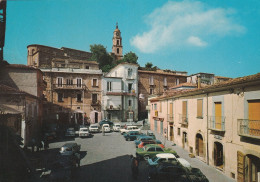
(199, 145)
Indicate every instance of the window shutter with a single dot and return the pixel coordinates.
(199, 108)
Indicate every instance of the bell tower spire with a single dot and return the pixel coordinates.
(117, 48)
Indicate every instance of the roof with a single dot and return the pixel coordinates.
(121, 65)
(202, 73)
(160, 73)
(5, 90)
(186, 84)
(166, 155)
(229, 84)
(21, 66)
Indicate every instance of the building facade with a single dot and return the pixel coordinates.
(219, 124)
(73, 90)
(155, 83)
(120, 91)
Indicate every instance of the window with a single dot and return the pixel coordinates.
(160, 106)
(179, 131)
(60, 97)
(185, 137)
(152, 149)
(165, 81)
(79, 98)
(117, 50)
(151, 80)
(199, 108)
(130, 87)
(184, 111)
(177, 81)
(87, 67)
(69, 81)
(95, 82)
(117, 42)
(94, 98)
(59, 81)
(151, 90)
(109, 86)
(155, 106)
(79, 82)
(159, 149)
(130, 71)
(129, 102)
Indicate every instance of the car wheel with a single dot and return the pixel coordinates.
(146, 157)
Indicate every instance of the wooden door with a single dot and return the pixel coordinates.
(240, 166)
(171, 111)
(218, 115)
(184, 111)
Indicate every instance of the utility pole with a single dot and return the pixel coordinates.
(2, 28)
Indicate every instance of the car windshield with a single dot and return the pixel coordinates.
(93, 126)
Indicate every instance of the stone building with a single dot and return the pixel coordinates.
(73, 84)
(219, 124)
(119, 93)
(154, 83)
(21, 99)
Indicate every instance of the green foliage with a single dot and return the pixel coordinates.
(149, 67)
(100, 54)
(130, 57)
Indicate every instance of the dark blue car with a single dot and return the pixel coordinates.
(132, 135)
(144, 138)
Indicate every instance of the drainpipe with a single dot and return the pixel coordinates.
(207, 129)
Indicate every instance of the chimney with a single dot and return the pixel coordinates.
(199, 82)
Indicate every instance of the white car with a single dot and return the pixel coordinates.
(83, 132)
(129, 128)
(184, 163)
(162, 157)
(94, 128)
(117, 127)
(106, 128)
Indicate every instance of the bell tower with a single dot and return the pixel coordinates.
(117, 48)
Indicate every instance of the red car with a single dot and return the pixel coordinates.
(146, 142)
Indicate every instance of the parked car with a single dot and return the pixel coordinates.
(94, 128)
(70, 132)
(147, 142)
(151, 150)
(132, 135)
(129, 128)
(184, 163)
(117, 127)
(168, 172)
(144, 138)
(105, 121)
(70, 148)
(196, 175)
(162, 157)
(106, 128)
(83, 132)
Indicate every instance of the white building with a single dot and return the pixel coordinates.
(119, 93)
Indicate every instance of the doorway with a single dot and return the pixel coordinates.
(218, 155)
(171, 133)
(199, 145)
(96, 117)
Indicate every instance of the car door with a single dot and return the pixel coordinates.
(151, 151)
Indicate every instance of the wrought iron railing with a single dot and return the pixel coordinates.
(249, 128)
(216, 123)
(183, 119)
(68, 86)
(170, 117)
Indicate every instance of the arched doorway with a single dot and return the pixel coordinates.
(252, 168)
(199, 145)
(218, 155)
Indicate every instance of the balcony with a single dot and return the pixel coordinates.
(216, 123)
(183, 120)
(68, 87)
(95, 102)
(248, 128)
(170, 117)
(113, 108)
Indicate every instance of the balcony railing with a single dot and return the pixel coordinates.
(249, 128)
(216, 123)
(183, 119)
(68, 86)
(95, 102)
(111, 107)
(170, 117)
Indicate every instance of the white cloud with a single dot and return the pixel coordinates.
(186, 23)
(196, 41)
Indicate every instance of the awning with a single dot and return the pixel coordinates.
(8, 110)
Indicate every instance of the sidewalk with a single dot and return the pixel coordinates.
(210, 172)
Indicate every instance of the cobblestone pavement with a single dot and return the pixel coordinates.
(213, 174)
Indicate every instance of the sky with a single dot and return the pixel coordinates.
(212, 36)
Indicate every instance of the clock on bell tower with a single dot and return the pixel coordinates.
(117, 48)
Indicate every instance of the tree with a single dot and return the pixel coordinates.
(130, 57)
(149, 67)
(100, 54)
